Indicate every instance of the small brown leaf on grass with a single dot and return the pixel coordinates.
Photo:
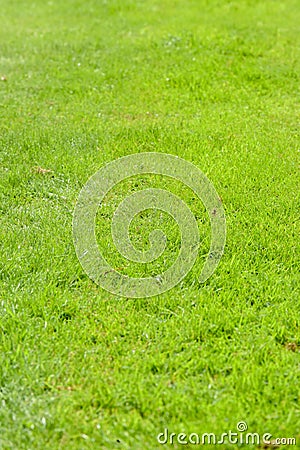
(292, 346)
(270, 445)
(50, 386)
(41, 170)
(65, 388)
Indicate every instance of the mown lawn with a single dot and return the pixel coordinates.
(81, 84)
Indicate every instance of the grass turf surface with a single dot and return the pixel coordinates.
(83, 83)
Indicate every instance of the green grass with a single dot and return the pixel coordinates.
(84, 82)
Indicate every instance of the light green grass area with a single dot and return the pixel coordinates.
(215, 82)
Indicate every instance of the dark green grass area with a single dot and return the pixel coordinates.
(83, 83)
